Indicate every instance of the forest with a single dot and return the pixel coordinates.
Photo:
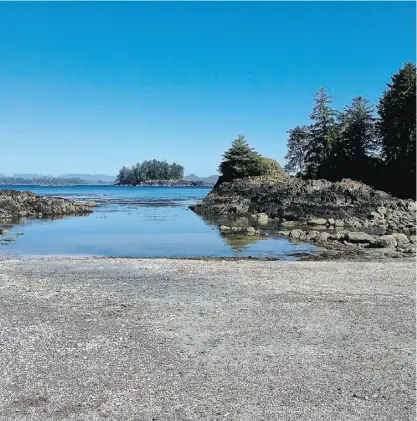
(150, 171)
(375, 145)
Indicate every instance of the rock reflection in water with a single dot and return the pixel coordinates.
(238, 240)
(11, 222)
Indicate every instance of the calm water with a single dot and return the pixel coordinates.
(140, 222)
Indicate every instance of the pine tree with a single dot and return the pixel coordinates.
(397, 130)
(297, 145)
(356, 139)
(323, 132)
(240, 161)
(357, 129)
(397, 110)
(123, 176)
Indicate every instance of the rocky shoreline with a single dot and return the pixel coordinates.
(334, 215)
(21, 204)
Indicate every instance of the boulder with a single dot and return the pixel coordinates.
(358, 237)
(317, 221)
(382, 210)
(331, 221)
(288, 223)
(412, 239)
(324, 236)
(299, 234)
(312, 235)
(224, 228)
(236, 229)
(412, 206)
(384, 241)
(339, 223)
(375, 215)
(402, 239)
(251, 231)
(262, 218)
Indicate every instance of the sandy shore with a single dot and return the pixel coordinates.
(128, 339)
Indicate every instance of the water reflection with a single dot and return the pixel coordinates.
(241, 242)
(12, 222)
(139, 226)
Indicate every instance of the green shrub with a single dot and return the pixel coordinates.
(271, 168)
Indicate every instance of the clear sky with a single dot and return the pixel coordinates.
(89, 87)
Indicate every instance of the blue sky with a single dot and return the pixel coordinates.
(89, 87)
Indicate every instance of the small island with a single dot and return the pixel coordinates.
(156, 173)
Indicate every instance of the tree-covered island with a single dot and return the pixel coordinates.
(153, 170)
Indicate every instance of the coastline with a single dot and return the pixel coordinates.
(170, 339)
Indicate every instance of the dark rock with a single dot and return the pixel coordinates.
(293, 198)
(27, 204)
(358, 237)
(8, 240)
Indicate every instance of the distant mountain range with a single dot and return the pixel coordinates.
(91, 177)
(111, 178)
(87, 177)
(192, 177)
(28, 176)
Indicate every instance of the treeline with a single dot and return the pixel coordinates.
(49, 181)
(150, 171)
(378, 149)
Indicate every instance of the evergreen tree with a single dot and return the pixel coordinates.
(397, 130)
(297, 145)
(356, 139)
(123, 176)
(323, 132)
(240, 161)
(357, 129)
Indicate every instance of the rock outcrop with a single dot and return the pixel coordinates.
(27, 204)
(400, 243)
(316, 202)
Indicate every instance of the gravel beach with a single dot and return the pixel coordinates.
(160, 339)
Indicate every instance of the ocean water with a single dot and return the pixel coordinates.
(138, 222)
